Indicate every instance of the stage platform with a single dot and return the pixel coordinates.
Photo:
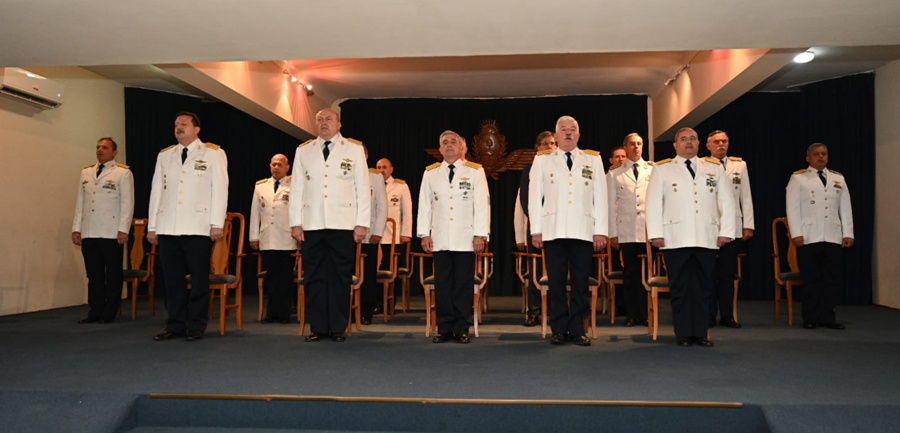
(57, 376)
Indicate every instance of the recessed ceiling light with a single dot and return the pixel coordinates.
(804, 57)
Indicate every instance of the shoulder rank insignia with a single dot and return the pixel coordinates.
(212, 146)
(834, 172)
(591, 152)
(800, 171)
(88, 166)
(354, 141)
(400, 181)
(261, 181)
(615, 167)
(545, 152)
(161, 151)
(474, 165)
(123, 166)
(735, 158)
(375, 170)
(433, 166)
(305, 142)
(708, 159)
(667, 160)
(651, 163)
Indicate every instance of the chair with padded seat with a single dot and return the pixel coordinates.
(387, 277)
(404, 273)
(652, 268)
(544, 283)
(787, 272)
(611, 279)
(523, 271)
(223, 277)
(136, 275)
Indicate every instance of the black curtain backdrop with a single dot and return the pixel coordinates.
(771, 132)
(400, 130)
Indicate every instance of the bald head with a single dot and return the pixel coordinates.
(279, 166)
(385, 167)
(328, 123)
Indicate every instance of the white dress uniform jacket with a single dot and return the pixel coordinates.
(105, 204)
(379, 204)
(269, 223)
(331, 194)
(567, 204)
(819, 213)
(520, 221)
(399, 208)
(189, 198)
(453, 214)
(627, 201)
(688, 212)
(738, 181)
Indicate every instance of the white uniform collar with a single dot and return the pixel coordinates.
(390, 179)
(192, 147)
(334, 140)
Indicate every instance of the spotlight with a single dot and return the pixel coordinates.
(293, 79)
(309, 87)
(804, 57)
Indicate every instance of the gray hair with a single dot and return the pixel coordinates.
(813, 146)
(565, 118)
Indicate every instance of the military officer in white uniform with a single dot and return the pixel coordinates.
(372, 245)
(820, 219)
(330, 211)
(738, 182)
(103, 211)
(399, 209)
(627, 193)
(270, 234)
(690, 215)
(453, 224)
(188, 203)
(568, 217)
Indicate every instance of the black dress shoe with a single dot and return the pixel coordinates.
(462, 338)
(194, 336)
(284, 321)
(88, 319)
(440, 338)
(531, 321)
(267, 319)
(629, 323)
(712, 322)
(105, 321)
(703, 342)
(581, 340)
(338, 338)
(311, 338)
(684, 342)
(365, 321)
(166, 335)
(809, 325)
(833, 325)
(730, 323)
(558, 339)
(377, 310)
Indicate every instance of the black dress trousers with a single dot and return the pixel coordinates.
(181, 256)
(328, 257)
(634, 291)
(690, 283)
(279, 282)
(821, 274)
(371, 290)
(454, 291)
(573, 257)
(722, 299)
(103, 265)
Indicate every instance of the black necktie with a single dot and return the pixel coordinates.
(723, 165)
(688, 162)
(634, 168)
(183, 155)
(325, 150)
(100, 170)
(276, 185)
(822, 178)
(451, 167)
(569, 160)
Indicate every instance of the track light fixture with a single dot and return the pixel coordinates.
(307, 87)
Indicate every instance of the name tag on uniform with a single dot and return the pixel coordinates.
(200, 165)
(465, 184)
(587, 173)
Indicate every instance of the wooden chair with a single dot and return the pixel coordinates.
(655, 283)
(261, 277)
(784, 255)
(478, 282)
(136, 275)
(486, 272)
(355, 282)
(523, 271)
(404, 273)
(612, 278)
(737, 285)
(223, 277)
(387, 278)
(544, 283)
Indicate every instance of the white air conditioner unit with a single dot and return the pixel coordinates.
(30, 87)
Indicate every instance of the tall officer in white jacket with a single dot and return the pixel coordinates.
(568, 215)
(188, 203)
(329, 213)
(372, 245)
(627, 193)
(738, 182)
(103, 212)
(820, 219)
(270, 234)
(690, 214)
(453, 224)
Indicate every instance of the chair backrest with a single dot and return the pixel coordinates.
(393, 260)
(139, 228)
(784, 250)
(610, 259)
(231, 244)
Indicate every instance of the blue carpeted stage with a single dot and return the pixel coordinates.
(56, 376)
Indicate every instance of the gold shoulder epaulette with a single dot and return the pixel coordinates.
(591, 152)
(354, 141)
(800, 171)
(735, 158)
(545, 152)
(708, 159)
(262, 181)
(433, 166)
(212, 146)
(88, 166)
(161, 151)
(651, 163)
(306, 142)
(615, 167)
(374, 170)
(474, 165)
(663, 161)
(835, 172)
(400, 181)
(123, 166)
